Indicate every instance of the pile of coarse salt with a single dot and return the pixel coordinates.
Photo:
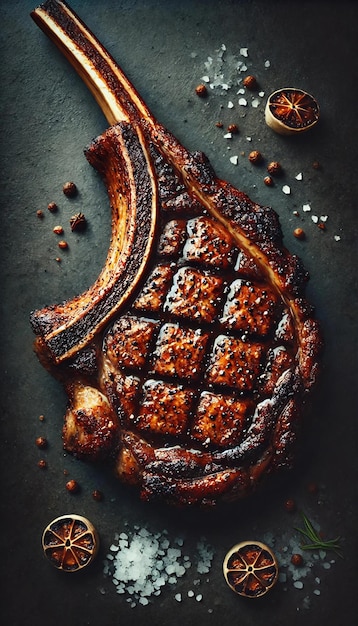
(141, 564)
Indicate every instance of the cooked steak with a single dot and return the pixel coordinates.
(187, 362)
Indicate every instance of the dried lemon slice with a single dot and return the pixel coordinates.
(70, 542)
(289, 111)
(250, 569)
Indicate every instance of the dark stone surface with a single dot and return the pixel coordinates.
(47, 118)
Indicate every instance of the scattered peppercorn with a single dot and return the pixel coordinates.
(274, 168)
(65, 472)
(250, 82)
(201, 91)
(255, 157)
(290, 505)
(297, 560)
(63, 244)
(41, 442)
(78, 222)
(69, 189)
(52, 207)
(316, 165)
(39, 214)
(268, 181)
(322, 226)
(312, 488)
(41, 418)
(233, 128)
(42, 464)
(72, 486)
(58, 230)
(299, 233)
(97, 495)
(219, 124)
(58, 259)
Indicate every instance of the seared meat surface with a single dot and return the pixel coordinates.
(187, 362)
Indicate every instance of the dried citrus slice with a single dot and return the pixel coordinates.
(290, 111)
(70, 542)
(250, 569)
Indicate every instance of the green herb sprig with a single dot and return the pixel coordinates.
(315, 541)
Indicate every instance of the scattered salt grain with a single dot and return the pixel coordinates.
(286, 189)
(337, 238)
(234, 159)
(267, 64)
(191, 594)
(178, 597)
(306, 208)
(317, 592)
(244, 52)
(326, 565)
(230, 105)
(241, 92)
(324, 218)
(255, 103)
(298, 584)
(243, 102)
(228, 136)
(314, 219)
(299, 176)
(199, 597)
(261, 94)
(205, 79)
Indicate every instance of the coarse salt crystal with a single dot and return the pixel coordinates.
(248, 138)
(324, 218)
(286, 189)
(298, 584)
(306, 207)
(230, 105)
(178, 597)
(243, 102)
(190, 594)
(314, 219)
(317, 592)
(255, 103)
(244, 52)
(299, 176)
(241, 92)
(199, 597)
(234, 159)
(261, 94)
(337, 237)
(228, 136)
(267, 63)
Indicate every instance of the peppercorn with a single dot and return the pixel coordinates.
(78, 222)
(58, 259)
(41, 418)
(97, 495)
(274, 168)
(316, 165)
(268, 181)
(255, 157)
(219, 124)
(322, 226)
(42, 464)
(290, 505)
(201, 91)
(297, 560)
(41, 442)
(63, 245)
(39, 214)
(69, 189)
(58, 230)
(233, 128)
(52, 207)
(250, 82)
(72, 486)
(299, 233)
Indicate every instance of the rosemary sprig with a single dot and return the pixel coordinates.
(315, 541)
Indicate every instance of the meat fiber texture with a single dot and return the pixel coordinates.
(187, 363)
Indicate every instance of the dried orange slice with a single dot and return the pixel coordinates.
(250, 569)
(70, 542)
(290, 111)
